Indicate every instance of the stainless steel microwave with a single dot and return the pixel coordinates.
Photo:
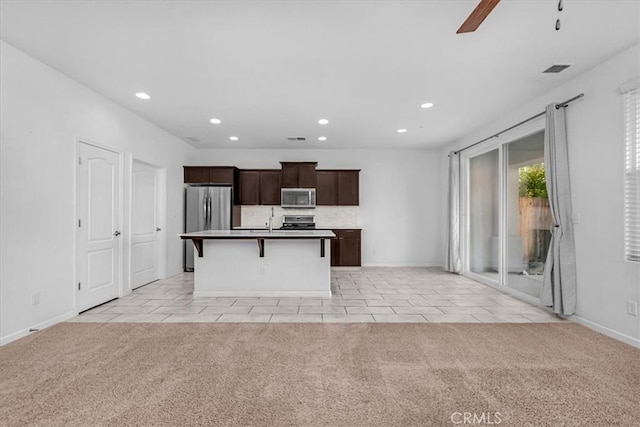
(298, 198)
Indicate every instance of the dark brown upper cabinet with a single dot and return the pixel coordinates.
(334, 187)
(259, 187)
(289, 176)
(223, 175)
(307, 176)
(270, 184)
(338, 187)
(349, 187)
(327, 188)
(220, 175)
(299, 174)
(249, 183)
(226, 175)
(196, 174)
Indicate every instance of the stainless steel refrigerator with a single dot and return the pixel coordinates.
(205, 208)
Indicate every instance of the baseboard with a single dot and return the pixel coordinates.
(580, 320)
(24, 332)
(604, 330)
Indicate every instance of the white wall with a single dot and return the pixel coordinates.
(43, 115)
(400, 193)
(596, 149)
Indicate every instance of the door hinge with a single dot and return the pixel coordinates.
(79, 223)
(79, 160)
(78, 285)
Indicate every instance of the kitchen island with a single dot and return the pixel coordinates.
(260, 263)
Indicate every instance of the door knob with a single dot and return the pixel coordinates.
(116, 233)
(158, 229)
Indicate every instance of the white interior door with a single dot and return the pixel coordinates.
(98, 246)
(145, 228)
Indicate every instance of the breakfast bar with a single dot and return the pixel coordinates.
(261, 263)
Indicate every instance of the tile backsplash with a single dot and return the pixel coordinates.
(326, 216)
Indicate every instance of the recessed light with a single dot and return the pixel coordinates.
(322, 138)
(402, 130)
(323, 121)
(233, 138)
(143, 95)
(215, 121)
(427, 105)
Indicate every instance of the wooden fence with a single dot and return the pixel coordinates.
(535, 224)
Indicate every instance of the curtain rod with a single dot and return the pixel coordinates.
(558, 106)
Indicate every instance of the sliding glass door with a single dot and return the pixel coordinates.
(529, 219)
(484, 221)
(507, 223)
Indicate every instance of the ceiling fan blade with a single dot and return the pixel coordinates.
(482, 10)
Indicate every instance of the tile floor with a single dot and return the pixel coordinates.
(370, 294)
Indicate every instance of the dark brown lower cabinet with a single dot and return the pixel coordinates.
(335, 256)
(346, 248)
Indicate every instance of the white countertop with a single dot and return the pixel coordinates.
(259, 234)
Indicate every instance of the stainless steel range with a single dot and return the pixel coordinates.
(298, 222)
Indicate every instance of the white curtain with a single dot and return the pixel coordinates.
(453, 218)
(559, 281)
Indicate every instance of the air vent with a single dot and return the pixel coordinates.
(191, 139)
(296, 138)
(556, 68)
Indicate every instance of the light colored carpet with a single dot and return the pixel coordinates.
(318, 374)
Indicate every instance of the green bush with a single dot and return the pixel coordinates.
(532, 181)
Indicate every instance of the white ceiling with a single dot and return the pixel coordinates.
(271, 69)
